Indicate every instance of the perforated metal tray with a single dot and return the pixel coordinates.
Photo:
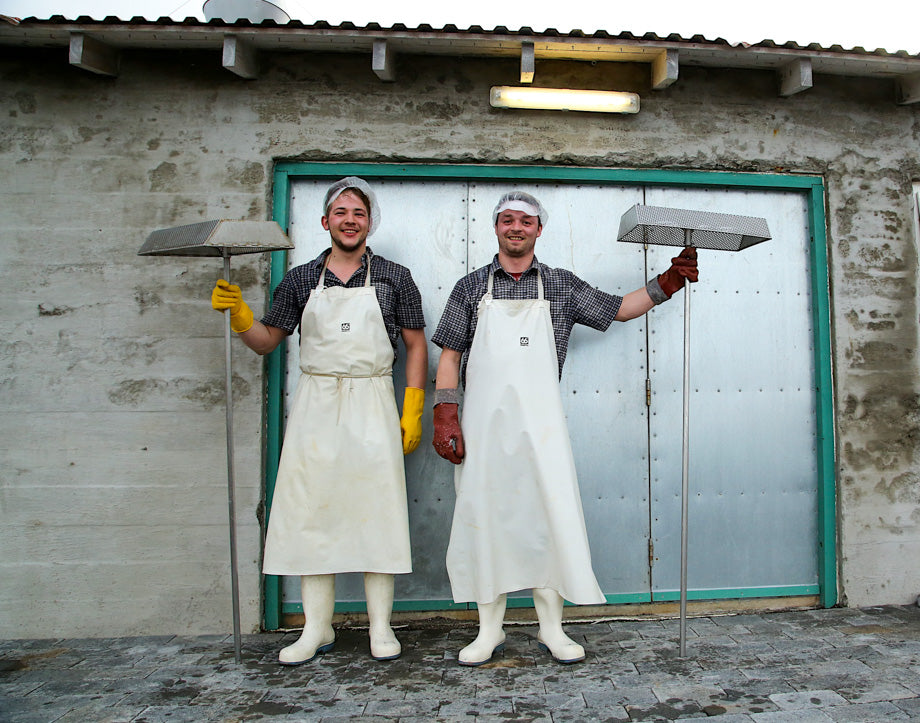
(661, 226)
(216, 238)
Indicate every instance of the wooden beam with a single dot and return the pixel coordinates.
(794, 77)
(93, 55)
(528, 62)
(908, 89)
(241, 57)
(384, 61)
(664, 69)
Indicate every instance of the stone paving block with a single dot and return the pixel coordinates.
(863, 712)
(450, 690)
(93, 687)
(747, 701)
(654, 628)
(722, 676)
(28, 644)
(873, 692)
(174, 692)
(612, 634)
(226, 698)
(849, 650)
(579, 685)
(503, 681)
(99, 714)
(18, 688)
(639, 695)
(304, 696)
(33, 711)
(184, 714)
(537, 706)
(745, 624)
(400, 708)
(306, 709)
(807, 699)
(808, 715)
(663, 669)
(678, 690)
(615, 714)
(482, 708)
(774, 671)
(366, 690)
(909, 677)
(911, 706)
(668, 711)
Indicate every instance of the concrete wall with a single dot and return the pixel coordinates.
(112, 468)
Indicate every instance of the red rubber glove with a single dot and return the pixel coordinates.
(448, 438)
(682, 267)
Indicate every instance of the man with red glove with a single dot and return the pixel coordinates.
(518, 522)
(340, 496)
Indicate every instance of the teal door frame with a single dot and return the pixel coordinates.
(811, 186)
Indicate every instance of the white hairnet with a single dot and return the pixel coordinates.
(520, 201)
(336, 190)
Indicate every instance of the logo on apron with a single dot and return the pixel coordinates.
(346, 326)
(525, 341)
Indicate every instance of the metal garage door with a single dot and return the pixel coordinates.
(754, 476)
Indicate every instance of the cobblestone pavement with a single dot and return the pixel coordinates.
(801, 667)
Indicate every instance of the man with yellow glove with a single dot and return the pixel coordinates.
(340, 497)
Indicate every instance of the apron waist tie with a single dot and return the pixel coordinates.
(341, 378)
(347, 376)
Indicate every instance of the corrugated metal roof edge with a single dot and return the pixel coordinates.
(472, 30)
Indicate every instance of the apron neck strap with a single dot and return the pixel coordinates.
(539, 283)
(321, 282)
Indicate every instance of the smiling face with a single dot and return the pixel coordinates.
(517, 233)
(347, 222)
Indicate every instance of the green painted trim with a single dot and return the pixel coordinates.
(820, 293)
(628, 598)
(549, 173)
(738, 593)
(359, 606)
(809, 184)
(274, 408)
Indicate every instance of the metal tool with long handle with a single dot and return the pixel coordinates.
(222, 238)
(654, 225)
(231, 485)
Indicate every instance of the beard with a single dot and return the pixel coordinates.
(348, 244)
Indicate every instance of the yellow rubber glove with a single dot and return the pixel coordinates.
(228, 296)
(411, 422)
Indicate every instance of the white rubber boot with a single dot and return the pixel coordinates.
(378, 589)
(551, 637)
(318, 637)
(491, 638)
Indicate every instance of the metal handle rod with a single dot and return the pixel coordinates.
(685, 470)
(234, 576)
(685, 477)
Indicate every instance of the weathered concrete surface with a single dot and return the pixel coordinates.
(111, 366)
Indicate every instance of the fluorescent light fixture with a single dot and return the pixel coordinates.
(595, 101)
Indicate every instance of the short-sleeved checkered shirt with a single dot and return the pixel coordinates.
(571, 301)
(397, 294)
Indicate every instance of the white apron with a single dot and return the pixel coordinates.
(518, 521)
(340, 497)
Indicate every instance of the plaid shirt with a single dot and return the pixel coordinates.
(397, 294)
(571, 301)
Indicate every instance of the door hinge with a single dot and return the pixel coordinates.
(651, 552)
(648, 392)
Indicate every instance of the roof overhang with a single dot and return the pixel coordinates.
(95, 45)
